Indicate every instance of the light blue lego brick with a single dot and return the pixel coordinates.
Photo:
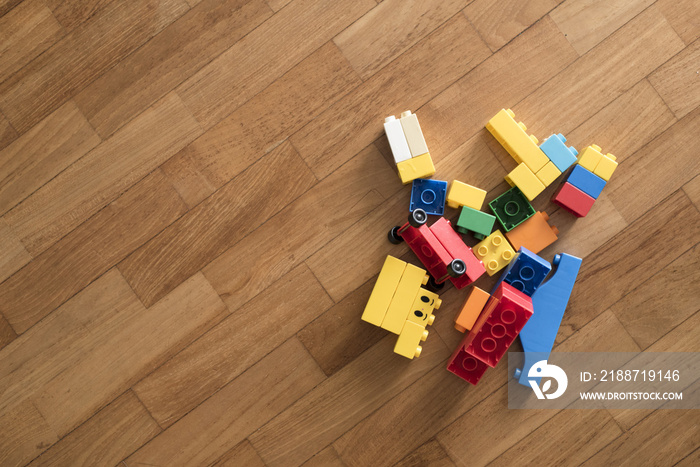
(549, 303)
(586, 181)
(525, 272)
(428, 195)
(560, 155)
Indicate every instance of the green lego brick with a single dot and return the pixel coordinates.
(478, 222)
(512, 208)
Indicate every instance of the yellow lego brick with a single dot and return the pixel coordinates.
(523, 178)
(383, 291)
(404, 297)
(512, 136)
(416, 167)
(408, 343)
(548, 173)
(461, 194)
(423, 305)
(495, 252)
(606, 166)
(413, 133)
(590, 157)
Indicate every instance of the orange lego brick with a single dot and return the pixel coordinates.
(471, 309)
(535, 234)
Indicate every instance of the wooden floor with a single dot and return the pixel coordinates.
(194, 199)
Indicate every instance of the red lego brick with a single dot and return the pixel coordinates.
(457, 249)
(499, 324)
(466, 366)
(573, 200)
(428, 248)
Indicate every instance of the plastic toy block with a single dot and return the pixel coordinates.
(511, 208)
(413, 133)
(477, 222)
(411, 280)
(428, 195)
(525, 273)
(467, 367)
(606, 167)
(523, 178)
(495, 331)
(383, 291)
(407, 345)
(475, 302)
(416, 167)
(516, 141)
(397, 139)
(549, 303)
(461, 194)
(428, 249)
(535, 234)
(457, 249)
(422, 307)
(557, 152)
(495, 252)
(548, 173)
(573, 200)
(586, 181)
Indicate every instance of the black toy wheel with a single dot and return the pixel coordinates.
(456, 268)
(434, 286)
(417, 218)
(394, 236)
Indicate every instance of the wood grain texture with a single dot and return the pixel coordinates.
(692, 190)
(7, 132)
(684, 16)
(326, 458)
(243, 454)
(7, 334)
(90, 250)
(166, 61)
(73, 13)
(264, 55)
(114, 432)
(430, 453)
(7, 5)
(13, 255)
(81, 56)
(24, 434)
(677, 81)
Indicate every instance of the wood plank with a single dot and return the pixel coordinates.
(586, 23)
(243, 454)
(13, 255)
(219, 222)
(570, 437)
(7, 132)
(24, 434)
(7, 334)
(628, 259)
(692, 190)
(600, 76)
(254, 330)
(43, 152)
(463, 109)
(298, 231)
(690, 459)
(84, 54)
(430, 453)
(261, 124)
(391, 28)
(352, 123)
(26, 32)
(106, 438)
(7, 5)
(647, 177)
(668, 298)
(277, 5)
(684, 16)
(265, 54)
(353, 393)
(677, 81)
(167, 60)
(326, 458)
(72, 263)
(104, 173)
(125, 350)
(498, 22)
(73, 13)
(234, 412)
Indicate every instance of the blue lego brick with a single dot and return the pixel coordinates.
(549, 303)
(560, 155)
(586, 181)
(526, 272)
(428, 195)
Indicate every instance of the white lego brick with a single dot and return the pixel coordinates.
(413, 133)
(397, 140)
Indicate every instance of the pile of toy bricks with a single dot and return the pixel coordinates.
(523, 302)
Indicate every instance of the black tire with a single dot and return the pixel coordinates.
(417, 218)
(394, 236)
(434, 286)
(456, 268)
